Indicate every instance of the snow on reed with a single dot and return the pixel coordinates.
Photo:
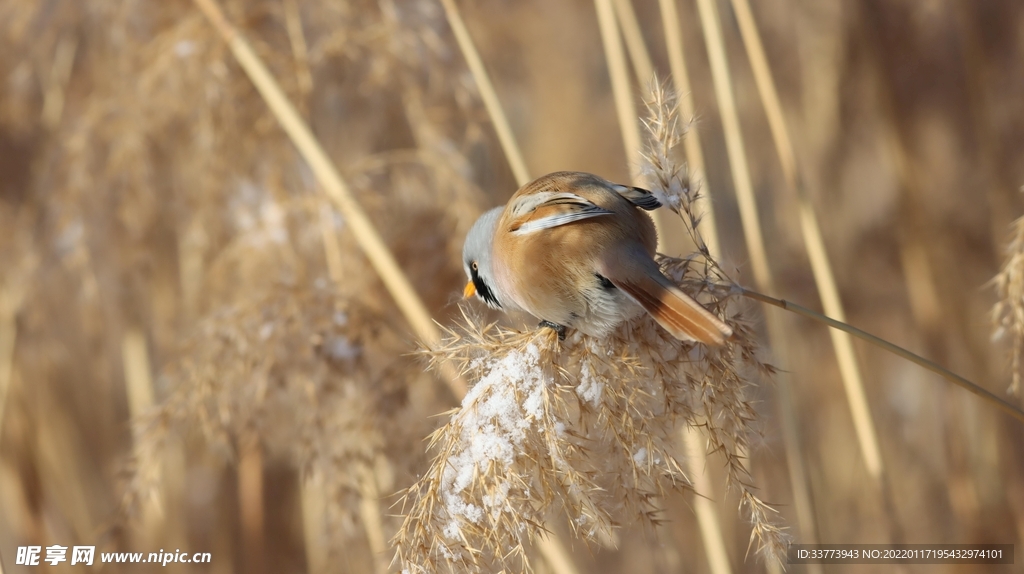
(586, 428)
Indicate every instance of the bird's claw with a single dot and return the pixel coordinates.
(560, 329)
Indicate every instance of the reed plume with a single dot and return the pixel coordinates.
(586, 428)
(1008, 312)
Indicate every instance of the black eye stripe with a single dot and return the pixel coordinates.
(483, 290)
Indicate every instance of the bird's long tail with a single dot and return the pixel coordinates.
(675, 311)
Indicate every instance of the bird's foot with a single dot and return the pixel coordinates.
(560, 329)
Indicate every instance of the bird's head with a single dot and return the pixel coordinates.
(477, 256)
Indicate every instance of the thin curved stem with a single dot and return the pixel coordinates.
(892, 348)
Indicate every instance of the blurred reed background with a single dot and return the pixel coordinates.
(168, 258)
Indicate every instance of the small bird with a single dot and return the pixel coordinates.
(575, 250)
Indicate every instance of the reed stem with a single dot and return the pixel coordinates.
(950, 376)
(639, 55)
(759, 258)
(813, 240)
(703, 505)
(487, 93)
(692, 142)
(625, 107)
(369, 240)
(8, 338)
(57, 83)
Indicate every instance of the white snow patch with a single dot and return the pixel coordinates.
(341, 349)
(640, 457)
(273, 219)
(590, 388)
(492, 427)
(260, 219)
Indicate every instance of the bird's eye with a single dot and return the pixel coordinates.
(474, 266)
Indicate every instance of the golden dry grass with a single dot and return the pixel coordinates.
(163, 242)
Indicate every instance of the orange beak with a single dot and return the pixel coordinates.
(469, 291)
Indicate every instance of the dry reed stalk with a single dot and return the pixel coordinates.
(487, 93)
(313, 500)
(332, 250)
(769, 94)
(691, 143)
(373, 521)
(734, 144)
(191, 245)
(922, 292)
(369, 240)
(251, 504)
(167, 474)
(137, 373)
(759, 259)
(56, 85)
(795, 459)
(555, 555)
(640, 57)
(813, 240)
(1008, 313)
(139, 388)
(300, 49)
(625, 107)
(665, 131)
(631, 32)
(979, 104)
(618, 72)
(863, 424)
(8, 339)
(914, 236)
(950, 376)
(703, 505)
(66, 471)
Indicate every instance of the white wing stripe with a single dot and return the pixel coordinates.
(561, 219)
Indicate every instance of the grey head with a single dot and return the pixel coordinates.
(476, 257)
